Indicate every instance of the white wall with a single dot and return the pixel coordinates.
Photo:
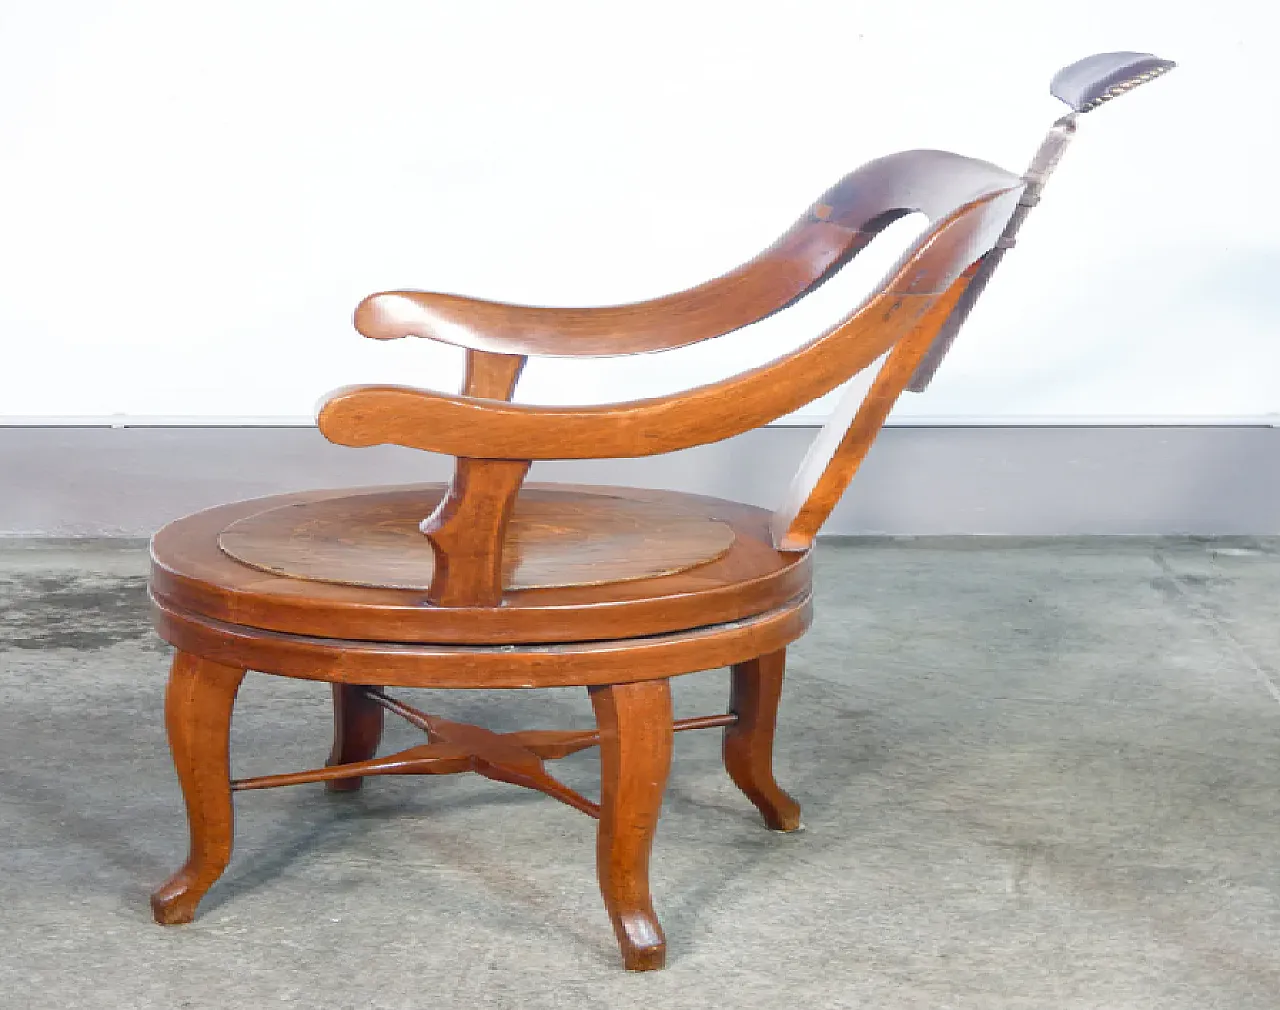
(195, 195)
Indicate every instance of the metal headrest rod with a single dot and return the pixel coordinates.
(1084, 85)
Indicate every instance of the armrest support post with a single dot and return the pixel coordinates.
(467, 531)
(491, 375)
(468, 528)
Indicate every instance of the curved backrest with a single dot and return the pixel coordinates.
(905, 305)
(843, 220)
(935, 183)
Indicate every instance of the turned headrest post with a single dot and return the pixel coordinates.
(1084, 86)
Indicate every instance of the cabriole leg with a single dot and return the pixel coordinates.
(635, 756)
(754, 691)
(357, 731)
(197, 713)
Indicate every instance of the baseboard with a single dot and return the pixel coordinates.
(918, 481)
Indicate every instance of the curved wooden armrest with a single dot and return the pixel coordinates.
(478, 428)
(830, 233)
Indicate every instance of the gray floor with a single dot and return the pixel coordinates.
(1034, 775)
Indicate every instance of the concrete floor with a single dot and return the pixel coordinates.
(1035, 774)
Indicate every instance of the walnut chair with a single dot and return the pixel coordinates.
(491, 583)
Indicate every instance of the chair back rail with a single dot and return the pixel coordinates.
(833, 230)
(842, 444)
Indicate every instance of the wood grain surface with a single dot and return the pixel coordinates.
(556, 538)
(839, 224)
(197, 711)
(634, 721)
(190, 571)
(402, 664)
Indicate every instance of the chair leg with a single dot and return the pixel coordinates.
(357, 731)
(755, 689)
(197, 713)
(635, 756)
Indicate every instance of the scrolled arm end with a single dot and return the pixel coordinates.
(389, 315)
(345, 417)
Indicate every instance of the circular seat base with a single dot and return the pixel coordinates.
(398, 664)
(637, 562)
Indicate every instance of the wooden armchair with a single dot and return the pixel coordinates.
(491, 583)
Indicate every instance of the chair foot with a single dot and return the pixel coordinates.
(755, 689)
(198, 704)
(644, 947)
(174, 902)
(635, 757)
(357, 731)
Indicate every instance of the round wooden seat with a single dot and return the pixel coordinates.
(583, 565)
